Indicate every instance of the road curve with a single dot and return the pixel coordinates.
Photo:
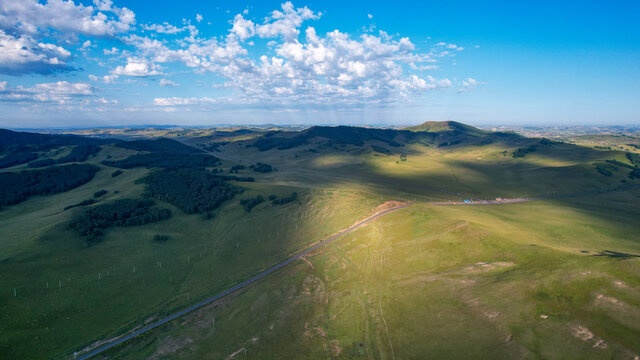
(230, 290)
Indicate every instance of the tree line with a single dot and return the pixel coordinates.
(165, 160)
(18, 186)
(124, 212)
(191, 190)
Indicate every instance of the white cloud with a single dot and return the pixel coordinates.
(468, 84)
(285, 23)
(35, 18)
(333, 68)
(29, 30)
(23, 54)
(164, 28)
(243, 28)
(204, 55)
(177, 101)
(3, 85)
(450, 46)
(61, 92)
(113, 51)
(370, 16)
(199, 17)
(104, 101)
(107, 79)
(167, 82)
(138, 68)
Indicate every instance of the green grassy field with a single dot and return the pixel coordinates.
(498, 281)
(504, 281)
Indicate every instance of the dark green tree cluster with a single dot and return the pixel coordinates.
(81, 203)
(165, 160)
(191, 190)
(213, 146)
(41, 163)
(285, 200)
(160, 238)
(99, 193)
(522, 152)
(116, 173)
(234, 169)
(635, 169)
(606, 169)
(17, 187)
(633, 158)
(80, 153)
(235, 178)
(250, 203)
(262, 168)
(381, 149)
(17, 158)
(123, 212)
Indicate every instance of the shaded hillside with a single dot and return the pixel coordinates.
(344, 135)
(445, 133)
(21, 147)
(9, 137)
(159, 145)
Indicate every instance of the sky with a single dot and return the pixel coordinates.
(132, 63)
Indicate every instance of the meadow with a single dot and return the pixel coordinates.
(549, 278)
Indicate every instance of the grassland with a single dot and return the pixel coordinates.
(506, 281)
(501, 281)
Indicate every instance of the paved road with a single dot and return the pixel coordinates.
(237, 287)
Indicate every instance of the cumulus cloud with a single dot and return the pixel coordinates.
(23, 54)
(25, 24)
(167, 82)
(138, 68)
(164, 28)
(113, 51)
(323, 69)
(300, 66)
(243, 28)
(60, 92)
(32, 17)
(370, 16)
(285, 23)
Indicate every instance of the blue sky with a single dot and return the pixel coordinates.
(104, 63)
